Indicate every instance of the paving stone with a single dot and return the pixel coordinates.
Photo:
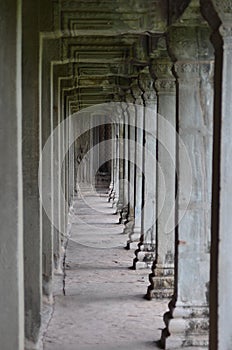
(103, 308)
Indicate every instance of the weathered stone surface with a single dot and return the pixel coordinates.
(166, 171)
(222, 184)
(98, 288)
(50, 52)
(195, 111)
(11, 198)
(138, 185)
(145, 254)
(30, 149)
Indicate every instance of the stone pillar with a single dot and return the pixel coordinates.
(145, 254)
(11, 198)
(194, 69)
(113, 163)
(120, 203)
(96, 147)
(134, 236)
(56, 159)
(58, 71)
(162, 276)
(65, 86)
(49, 51)
(71, 164)
(125, 155)
(91, 156)
(129, 224)
(115, 198)
(30, 149)
(123, 162)
(221, 338)
(66, 161)
(63, 83)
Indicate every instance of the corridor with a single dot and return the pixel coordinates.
(103, 307)
(133, 96)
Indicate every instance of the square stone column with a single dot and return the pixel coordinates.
(64, 83)
(126, 157)
(134, 236)
(124, 163)
(116, 168)
(145, 254)
(30, 149)
(120, 202)
(162, 276)
(221, 274)
(11, 198)
(49, 50)
(113, 164)
(194, 68)
(118, 199)
(59, 71)
(129, 224)
(225, 237)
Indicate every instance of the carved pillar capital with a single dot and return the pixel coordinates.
(193, 51)
(187, 70)
(137, 94)
(161, 68)
(224, 11)
(190, 43)
(146, 83)
(129, 97)
(226, 33)
(150, 97)
(165, 81)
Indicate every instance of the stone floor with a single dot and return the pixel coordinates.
(103, 306)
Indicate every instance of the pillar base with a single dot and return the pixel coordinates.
(29, 345)
(115, 202)
(134, 238)
(161, 282)
(161, 287)
(110, 192)
(129, 226)
(139, 265)
(123, 216)
(57, 265)
(187, 326)
(58, 271)
(132, 245)
(112, 196)
(144, 259)
(47, 290)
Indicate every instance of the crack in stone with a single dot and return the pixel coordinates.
(64, 264)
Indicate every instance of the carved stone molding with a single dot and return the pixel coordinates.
(194, 70)
(145, 80)
(165, 85)
(206, 71)
(146, 84)
(186, 68)
(224, 10)
(161, 63)
(226, 33)
(150, 97)
(162, 69)
(137, 94)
